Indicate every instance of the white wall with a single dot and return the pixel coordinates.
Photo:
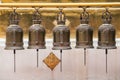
(73, 65)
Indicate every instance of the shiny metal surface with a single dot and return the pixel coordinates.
(36, 33)
(84, 32)
(14, 33)
(61, 33)
(106, 33)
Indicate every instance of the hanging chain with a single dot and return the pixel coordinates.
(84, 17)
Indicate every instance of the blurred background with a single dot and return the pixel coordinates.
(73, 60)
(49, 16)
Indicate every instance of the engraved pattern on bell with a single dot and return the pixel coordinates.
(84, 36)
(36, 33)
(106, 37)
(61, 37)
(84, 32)
(106, 33)
(51, 61)
(14, 33)
(61, 33)
(36, 37)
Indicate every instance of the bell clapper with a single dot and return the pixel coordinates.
(37, 57)
(61, 60)
(84, 56)
(14, 52)
(106, 52)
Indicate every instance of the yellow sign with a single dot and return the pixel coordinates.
(51, 61)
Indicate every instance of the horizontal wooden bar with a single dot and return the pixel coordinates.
(97, 4)
(65, 9)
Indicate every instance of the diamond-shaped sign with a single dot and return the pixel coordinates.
(51, 61)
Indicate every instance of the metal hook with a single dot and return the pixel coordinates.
(36, 16)
(60, 9)
(106, 16)
(84, 17)
(84, 9)
(14, 10)
(14, 16)
(37, 10)
(85, 13)
(107, 9)
(106, 13)
(61, 16)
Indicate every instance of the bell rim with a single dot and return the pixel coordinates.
(106, 47)
(14, 48)
(84, 47)
(36, 47)
(61, 48)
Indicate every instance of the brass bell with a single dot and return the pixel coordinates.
(84, 32)
(106, 33)
(36, 33)
(61, 33)
(14, 33)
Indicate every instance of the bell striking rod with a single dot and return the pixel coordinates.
(106, 52)
(84, 56)
(61, 60)
(14, 52)
(37, 57)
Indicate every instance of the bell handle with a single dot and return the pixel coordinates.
(106, 16)
(36, 18)
(14, 17)
(84, 17)
(61, 17)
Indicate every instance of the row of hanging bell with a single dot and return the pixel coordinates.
(14, 33)
(61, 33)
(106, 32)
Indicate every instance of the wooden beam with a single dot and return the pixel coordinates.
(64, 5)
